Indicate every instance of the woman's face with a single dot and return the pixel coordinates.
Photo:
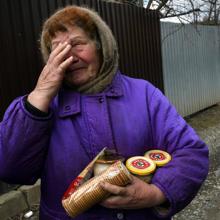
(86, 59)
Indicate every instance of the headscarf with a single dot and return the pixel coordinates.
(109, 49)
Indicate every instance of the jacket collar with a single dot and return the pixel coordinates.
(115, 88)
(69, 101)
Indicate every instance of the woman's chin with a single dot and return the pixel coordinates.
(73, 81)
(78, 77)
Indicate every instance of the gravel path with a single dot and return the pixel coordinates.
(206, 204)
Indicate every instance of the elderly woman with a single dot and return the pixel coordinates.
(82, 103)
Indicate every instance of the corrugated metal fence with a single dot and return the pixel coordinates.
(136, 30)
(191, 66)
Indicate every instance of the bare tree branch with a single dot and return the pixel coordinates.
(163, 3)
(183, 13)
(149, 4)
(192, 11)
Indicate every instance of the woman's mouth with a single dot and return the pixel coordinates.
(74, 70)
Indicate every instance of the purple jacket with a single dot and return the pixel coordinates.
(131, 115)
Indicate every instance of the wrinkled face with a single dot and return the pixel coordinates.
(86, 59)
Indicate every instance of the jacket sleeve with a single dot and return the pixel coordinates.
(24, 141)
(182, 177)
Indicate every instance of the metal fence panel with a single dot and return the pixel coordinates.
(191, 69)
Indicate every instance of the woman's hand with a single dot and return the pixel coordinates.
(51, 77)
(136, 195)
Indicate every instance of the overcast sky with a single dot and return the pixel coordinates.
(180, 4)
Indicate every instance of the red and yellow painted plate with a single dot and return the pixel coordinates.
(140, 165)
(159, 157)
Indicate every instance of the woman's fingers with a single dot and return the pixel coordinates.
(58, 49)
(113, 189)
(62, 55)
(63, 66)
(113, 202)
(59, 53)
(57, 63)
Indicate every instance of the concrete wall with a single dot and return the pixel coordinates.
(19, 201)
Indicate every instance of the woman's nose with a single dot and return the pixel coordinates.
(71, 53)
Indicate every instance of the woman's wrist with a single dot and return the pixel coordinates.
(158, 196)
(39, 101)
(33, 110)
